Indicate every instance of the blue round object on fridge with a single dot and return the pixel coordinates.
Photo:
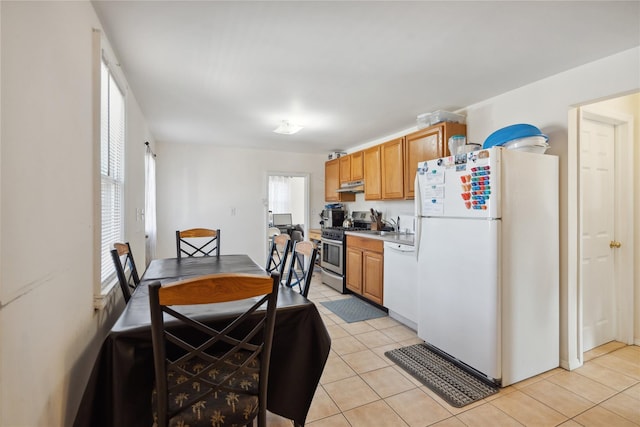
(509, 133)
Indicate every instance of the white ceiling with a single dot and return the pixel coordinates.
(228, 72)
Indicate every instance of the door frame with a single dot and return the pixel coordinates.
(623, 262)
(307, 218)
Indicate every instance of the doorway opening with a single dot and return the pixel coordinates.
(287, 204)
(601, 240)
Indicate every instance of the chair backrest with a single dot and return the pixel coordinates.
(273, 231)
(125, 268)
(297, 236)
(303, 259)
(198, 242)
(222, 364)
(280, 248)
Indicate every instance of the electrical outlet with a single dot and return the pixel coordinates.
(233, 211)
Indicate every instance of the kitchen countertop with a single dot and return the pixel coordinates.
(315, 234)
(386, 236)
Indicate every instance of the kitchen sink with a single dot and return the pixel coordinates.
(386, 233)
(401, 237)
(375, 232)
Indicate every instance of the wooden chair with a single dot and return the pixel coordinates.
(280, 248)
(303, 259)
(209, 375)
(273, 231)
(125, 268)
(206, 243)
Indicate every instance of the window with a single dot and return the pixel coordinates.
(287, 195)
(112, 139)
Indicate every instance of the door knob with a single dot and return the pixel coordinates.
(614, 244)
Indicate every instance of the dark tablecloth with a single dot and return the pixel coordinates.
(119, 390)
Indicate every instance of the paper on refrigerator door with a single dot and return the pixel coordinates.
(433, 191)
(434, 177)
(433, 206)
(432, 200)
(432, 185)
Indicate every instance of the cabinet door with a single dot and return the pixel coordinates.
(448, 130)
(373, 273)
(372, 186)
(332, 183)
(345, 168)
(357, 167)
(425, 144)
(354, 270)
(392, 159)
(331, 180)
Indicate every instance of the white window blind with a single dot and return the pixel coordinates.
(112, 140)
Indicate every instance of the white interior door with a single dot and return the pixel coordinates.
(597, 196)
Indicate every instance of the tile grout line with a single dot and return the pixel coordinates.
(372, 349)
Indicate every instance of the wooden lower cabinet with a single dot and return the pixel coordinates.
(365, 263)
(372, 273)
(354, 270)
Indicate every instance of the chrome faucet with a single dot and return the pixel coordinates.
(394, 224)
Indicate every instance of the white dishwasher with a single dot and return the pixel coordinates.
(401, 283)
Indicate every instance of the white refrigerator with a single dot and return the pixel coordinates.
(488, 261)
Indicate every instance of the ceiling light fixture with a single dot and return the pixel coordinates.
(287, 128)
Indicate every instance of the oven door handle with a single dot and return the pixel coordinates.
(331, 241)
(332, 273)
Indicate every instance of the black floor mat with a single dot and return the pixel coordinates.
(353, 309)
(449, 381)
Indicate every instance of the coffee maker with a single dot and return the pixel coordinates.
(332, 218)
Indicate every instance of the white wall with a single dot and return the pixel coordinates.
(545, 104)
(49, 329)
(198, 185)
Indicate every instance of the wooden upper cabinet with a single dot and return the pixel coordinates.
(331, 180)
(426, 144)
(372, 184)
(389, 169)
(448, 130)
(345, 168)
(392, 160)
(357, 166)
(332, 183)
(420, 146)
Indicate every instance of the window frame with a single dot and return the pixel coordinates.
(102, 54)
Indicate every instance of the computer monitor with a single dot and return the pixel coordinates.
(282, 220)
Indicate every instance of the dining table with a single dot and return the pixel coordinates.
(119, 389)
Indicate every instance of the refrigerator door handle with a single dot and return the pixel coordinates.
(417, 236)
(417, 206)
(417, 212)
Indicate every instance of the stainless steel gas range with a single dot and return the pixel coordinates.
(333, 251)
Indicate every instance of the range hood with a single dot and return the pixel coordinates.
(352, 187)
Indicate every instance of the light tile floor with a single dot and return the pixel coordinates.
(361, 387)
